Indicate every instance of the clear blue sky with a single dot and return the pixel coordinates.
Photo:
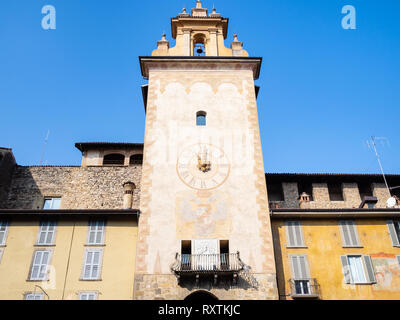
(324, 90)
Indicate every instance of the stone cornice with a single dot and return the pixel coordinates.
(190, 63)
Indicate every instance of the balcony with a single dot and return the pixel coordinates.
(223, 264)
(304, 288)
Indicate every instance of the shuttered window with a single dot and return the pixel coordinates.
(34, 296)
(92, 264)
(349, 234)
(46, 233)
(96, 233)
(3, 232)
(394, 232)
(300, 270)
(41, 259)
(358, 269)
(88, 296)
(294, 234)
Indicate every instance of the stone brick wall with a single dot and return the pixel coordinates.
(7, 165)
(78, 187)
(351, 196)
(165, 287)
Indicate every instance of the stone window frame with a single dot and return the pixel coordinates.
(46, 278)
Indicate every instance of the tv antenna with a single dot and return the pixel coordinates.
(44, 146)
(372, 143)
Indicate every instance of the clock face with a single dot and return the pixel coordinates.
(203, 167)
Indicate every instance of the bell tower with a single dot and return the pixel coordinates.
(204, 221)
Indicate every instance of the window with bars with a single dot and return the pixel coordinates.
(40, 262)
(394, 232)
(88, 296)
(294, 234)
(349, 234)
(92, 264)
(358, 269)
(46, 234)
(3, 232)
(51, 203)
(96, 233)
(34, 296)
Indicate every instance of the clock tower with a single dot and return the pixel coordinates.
(204, 223)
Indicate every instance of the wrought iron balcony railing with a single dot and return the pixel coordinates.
(207, 263)
(304, 288)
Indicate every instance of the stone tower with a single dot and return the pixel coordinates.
(204, 224)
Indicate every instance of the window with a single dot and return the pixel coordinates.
(358, 269)
(52, 203)
(3, 232)
(307, 188)
(96, 233)
(301, 275)
(34, 296)
(41, 259)
(394, 231)
(365, 190)
(114, 159)
(201, 118)
(88, 296)
(46, 233)
(136, 159)
(349, 234)
(335, 192)
(92, 264)
(275, 192)
(294, 234)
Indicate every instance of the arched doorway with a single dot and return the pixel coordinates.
(202, 296)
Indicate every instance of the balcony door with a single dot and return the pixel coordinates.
(206, 253)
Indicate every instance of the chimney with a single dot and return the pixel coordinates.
(128, 194)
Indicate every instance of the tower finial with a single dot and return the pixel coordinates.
(198, 4)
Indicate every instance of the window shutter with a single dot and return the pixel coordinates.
(39, 266)
(300, 268)
(96, 232)
(370, 269)
(3, 231)
(393, 233)
(349, 234)
(294, 234)
(346, 269)
(91, 268)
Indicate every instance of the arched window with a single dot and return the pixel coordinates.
(201, 118)
(199, 48)
(136, 159)
(114, 159)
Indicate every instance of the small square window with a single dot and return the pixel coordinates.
(92, 295)
(52, 203)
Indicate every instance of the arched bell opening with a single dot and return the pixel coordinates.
(199, 45)
(201, 296)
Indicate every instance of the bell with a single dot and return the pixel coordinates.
(199, 50)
